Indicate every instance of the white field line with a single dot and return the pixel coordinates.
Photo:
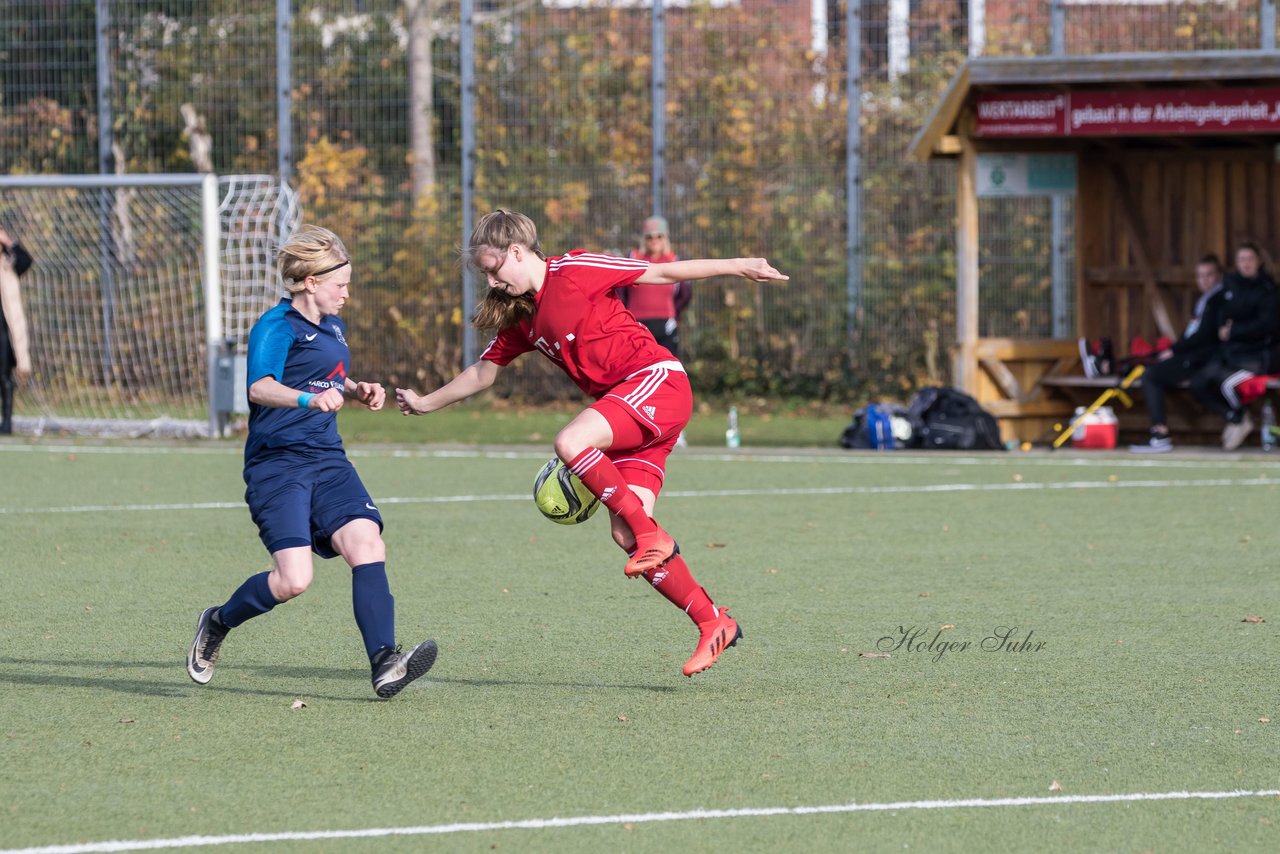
(822, 457)
(1018, 486)
(636, 818)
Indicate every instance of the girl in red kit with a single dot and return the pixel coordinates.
(565, 307)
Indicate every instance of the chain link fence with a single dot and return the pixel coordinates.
(753, 156)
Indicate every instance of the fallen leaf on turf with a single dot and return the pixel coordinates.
(128, 721)
(715, 545)
(945, 626)
(622, 718)
(1017, 478)
(1055, 786)
(1253, 620)
(297, 704)
(874, 655)
(1264, 720)
(924, 595)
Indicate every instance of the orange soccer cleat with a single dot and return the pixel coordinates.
(718, 634)
(652, 551)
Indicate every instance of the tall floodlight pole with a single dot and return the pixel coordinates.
(284, 91)
(102, 29)
(853, 169)
(658, 100)
(467, 60)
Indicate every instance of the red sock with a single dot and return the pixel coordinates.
(674, 581)
(602, 477)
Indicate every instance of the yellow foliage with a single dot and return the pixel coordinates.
(326, 168)
(571, 206)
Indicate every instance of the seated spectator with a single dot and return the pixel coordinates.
(1246, 328)
(1178, 363)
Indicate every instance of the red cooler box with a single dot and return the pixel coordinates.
(1099, 431)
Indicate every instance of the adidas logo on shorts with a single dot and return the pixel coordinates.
(650, 410)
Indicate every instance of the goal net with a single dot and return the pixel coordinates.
(141, 296)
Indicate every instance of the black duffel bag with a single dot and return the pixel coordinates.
(947, 419)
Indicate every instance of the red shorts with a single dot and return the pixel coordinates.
(654, 404)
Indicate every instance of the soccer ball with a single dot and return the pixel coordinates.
(561, 496)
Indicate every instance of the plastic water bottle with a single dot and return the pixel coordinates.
(1268, 426)
(731, 437)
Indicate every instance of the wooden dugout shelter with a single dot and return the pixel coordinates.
(1174, 155)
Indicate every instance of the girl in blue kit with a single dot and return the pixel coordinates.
(303, 493)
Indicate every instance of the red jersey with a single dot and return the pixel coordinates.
(653, 302)
(581, 325)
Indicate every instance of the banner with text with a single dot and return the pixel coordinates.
(1130, 113)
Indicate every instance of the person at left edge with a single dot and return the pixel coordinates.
(303, 493)
(15, 353)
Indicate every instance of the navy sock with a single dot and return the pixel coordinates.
(252, 599)
(374, 606)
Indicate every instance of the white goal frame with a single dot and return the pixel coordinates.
(247, 256)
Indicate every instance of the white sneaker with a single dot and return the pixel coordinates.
(203, 652)
(1087, 360)
(1235, 434)
(1157, 444)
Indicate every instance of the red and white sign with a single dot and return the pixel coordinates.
(1022, 114)
(1166, 112)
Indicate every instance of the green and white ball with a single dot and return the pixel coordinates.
(561, 496)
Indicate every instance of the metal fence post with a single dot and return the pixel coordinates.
(106, 166)
(284, 91)
(467, 61)
(1058, 28)
(853, 170)
(658, 97)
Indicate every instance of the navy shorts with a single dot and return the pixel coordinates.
(299, 500)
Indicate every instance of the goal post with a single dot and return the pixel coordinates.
(141, 296)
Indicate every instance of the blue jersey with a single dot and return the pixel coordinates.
(305, 356)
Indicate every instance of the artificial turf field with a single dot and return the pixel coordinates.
(557, 703)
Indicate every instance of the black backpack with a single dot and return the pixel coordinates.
(947, 419)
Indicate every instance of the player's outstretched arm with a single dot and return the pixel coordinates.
(475, 378)
(755, 269)
(269, 391)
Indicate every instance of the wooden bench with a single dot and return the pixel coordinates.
(1188, 420)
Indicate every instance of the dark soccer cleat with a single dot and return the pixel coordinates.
(716, 635)
(652, 551)
(393, 669)
(203, 654)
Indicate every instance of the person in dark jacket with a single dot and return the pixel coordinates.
(1245, 321)
(1178, 363)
